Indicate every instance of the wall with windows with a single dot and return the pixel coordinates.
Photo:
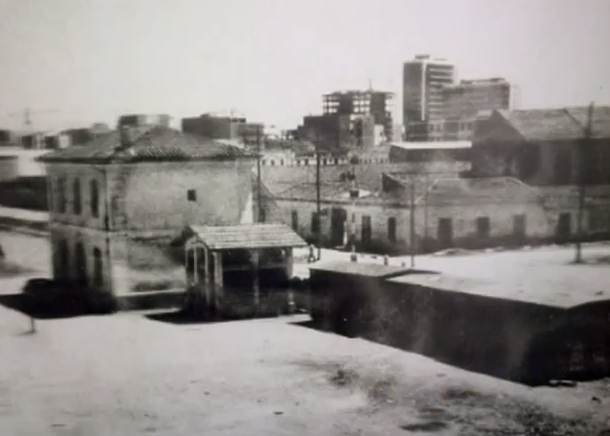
(150, 195)
(115, 263)
(444, 226)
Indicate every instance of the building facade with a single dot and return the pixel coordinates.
(544, 146)
(116, 203)
(445, 213)
(467, 98)
(219, 127)
(423, 80)
(378, 104)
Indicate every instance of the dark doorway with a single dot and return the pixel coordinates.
(564, 227)
(81, 264)
(367, 231)
(338, 217)
(392, 230)
(519, 228)
(445, 233)
(295, 221)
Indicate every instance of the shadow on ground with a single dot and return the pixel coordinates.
(179, 317)
(18, 303)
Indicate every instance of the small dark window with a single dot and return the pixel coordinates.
(98, 279)
(95, 194)
(295, 220)
(77, 198)
(519, 226)
(52, 206)
(191, 195)
(392, 229)
(483, 227)
(61, 197)
(81, 264)
(366, 229)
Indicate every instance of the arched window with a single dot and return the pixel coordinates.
(77, 199)
(95, 198)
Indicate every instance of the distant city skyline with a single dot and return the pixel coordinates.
(272, 60)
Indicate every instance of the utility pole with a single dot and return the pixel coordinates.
(318, 205)
(261, 215)
(412, 220)
(584, 148)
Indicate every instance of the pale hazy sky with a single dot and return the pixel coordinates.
(272, 59)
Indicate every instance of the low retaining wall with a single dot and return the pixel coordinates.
(511, 339)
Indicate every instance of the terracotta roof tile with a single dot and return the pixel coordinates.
(558, 124)
(153, 144)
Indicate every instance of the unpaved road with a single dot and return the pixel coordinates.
(126, 374)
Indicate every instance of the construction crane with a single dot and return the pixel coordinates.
(27, 113)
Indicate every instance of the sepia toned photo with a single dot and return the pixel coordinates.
(305, 217)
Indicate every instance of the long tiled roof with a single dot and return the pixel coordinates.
(248, 236)
(154, 144)
(558, 124)
(441, 191)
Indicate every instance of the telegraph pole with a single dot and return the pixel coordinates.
(412, 221)
(582, 182)
(318, 205)
(261, 215)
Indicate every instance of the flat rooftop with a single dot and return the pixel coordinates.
(371, 270)
(524, 292)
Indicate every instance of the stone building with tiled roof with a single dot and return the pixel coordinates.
(544, 146)
(111, 198)
(448, 212)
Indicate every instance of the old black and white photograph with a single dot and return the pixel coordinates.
(305, 217)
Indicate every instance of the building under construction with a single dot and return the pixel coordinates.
(379, 104)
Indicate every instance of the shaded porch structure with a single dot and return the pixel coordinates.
(239, 271)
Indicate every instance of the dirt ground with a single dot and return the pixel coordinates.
(127, 374)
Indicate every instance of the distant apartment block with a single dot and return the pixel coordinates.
(224, 127)
(378, 104)
(456, 129)
(469, 97)
(423, 80)
(334, 131)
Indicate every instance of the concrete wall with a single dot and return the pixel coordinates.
(505, 338)
(153, 196)
(9, 168)
(540, 223)
(129, 264)
(156, 194)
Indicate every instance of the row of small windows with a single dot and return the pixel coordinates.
(329, 161)
(77, 204)
(445, 226)
(80, 264)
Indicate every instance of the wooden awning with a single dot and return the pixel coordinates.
(247, 237)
